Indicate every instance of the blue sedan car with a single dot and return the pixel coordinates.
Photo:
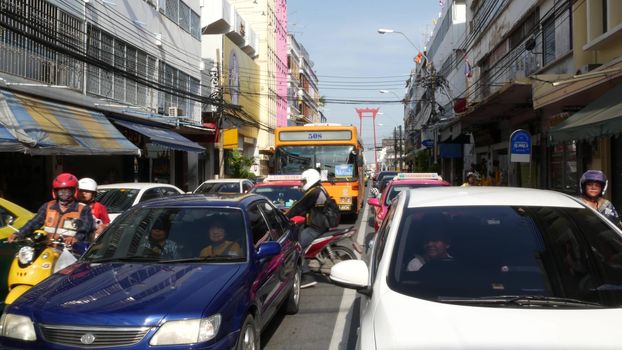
(185, 272)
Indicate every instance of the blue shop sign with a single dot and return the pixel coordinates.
(520, 146)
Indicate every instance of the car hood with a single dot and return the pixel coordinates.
(403, 322)
(126, 293)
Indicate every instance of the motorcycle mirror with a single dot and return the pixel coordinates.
(298, 220)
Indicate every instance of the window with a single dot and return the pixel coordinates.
(548, 41)
(272, 216)
(259, 227)
(380, 240)
(151, 194)
(246, 186)
(166, 191)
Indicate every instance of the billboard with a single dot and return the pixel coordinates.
(240, 79)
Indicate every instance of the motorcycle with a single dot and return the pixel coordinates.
(329, 249)
(37, 259)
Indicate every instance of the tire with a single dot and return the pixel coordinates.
(292, 304)
(249, 338)
(342, 253)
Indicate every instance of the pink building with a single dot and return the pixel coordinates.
(281, 62)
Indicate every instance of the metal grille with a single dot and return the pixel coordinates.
(100, 336)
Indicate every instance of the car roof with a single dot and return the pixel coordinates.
(279, 183)
(240, 200)
(488, 196)
(223, 181)
(418, 182)
(134, 185)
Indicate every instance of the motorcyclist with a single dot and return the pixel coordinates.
(472, 179)
(593, 186)
(63, 216)
(87, 191)
(316, 224)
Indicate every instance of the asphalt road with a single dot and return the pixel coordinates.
(328, 316)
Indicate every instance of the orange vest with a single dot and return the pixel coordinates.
(63, 224)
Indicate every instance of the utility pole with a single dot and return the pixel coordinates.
(395, 149)
(401, 150)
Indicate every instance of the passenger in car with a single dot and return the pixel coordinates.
(435, 244)
(220, 246)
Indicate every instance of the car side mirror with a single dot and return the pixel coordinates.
(374, 202)
(268, 249)
(352, 274)
(298, 220)
(9, 219)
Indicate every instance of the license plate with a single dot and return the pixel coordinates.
(344, 207)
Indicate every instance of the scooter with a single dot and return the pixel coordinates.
(37, 259)
(329, 249)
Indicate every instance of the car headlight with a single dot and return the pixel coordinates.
(18, 327)
(187, 331)
(26, 254)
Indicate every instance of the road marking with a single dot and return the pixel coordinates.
(339, 339)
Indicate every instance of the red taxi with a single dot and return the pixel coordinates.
(282, 190)
(402, 181)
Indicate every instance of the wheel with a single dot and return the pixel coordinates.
(342, 253)
(249, 335)
(292, 303)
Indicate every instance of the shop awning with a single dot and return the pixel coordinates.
(46, 128)
(163, 137)
(8, 142)
(602, 117)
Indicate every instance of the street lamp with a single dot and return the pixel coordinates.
(392, 31)
(389, 92)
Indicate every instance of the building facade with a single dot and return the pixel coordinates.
(101, 90)
(304, 98)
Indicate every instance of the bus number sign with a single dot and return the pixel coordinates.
(329, 135)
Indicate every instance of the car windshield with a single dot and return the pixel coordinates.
(172, 234)
(339, 162)
(280, 196)
(117, 200)
(218, 187)
(397, 188)
(487, 254)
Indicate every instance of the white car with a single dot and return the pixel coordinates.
(489, 268)
(121, 196)
(225, 186)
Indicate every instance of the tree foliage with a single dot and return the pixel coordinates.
(238, 165)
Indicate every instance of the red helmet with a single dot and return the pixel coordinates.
(65, 180)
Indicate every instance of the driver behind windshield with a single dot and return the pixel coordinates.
(158, 240)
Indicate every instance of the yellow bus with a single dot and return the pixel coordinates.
(332, 149)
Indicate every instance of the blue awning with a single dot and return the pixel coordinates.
(42, 127)
(163, 137)
(8, 142)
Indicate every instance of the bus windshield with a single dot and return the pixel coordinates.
(338, 161)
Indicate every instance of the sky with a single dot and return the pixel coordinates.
(353, 62)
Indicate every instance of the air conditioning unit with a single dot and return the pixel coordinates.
(173, 111)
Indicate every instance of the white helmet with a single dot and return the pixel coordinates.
(310, 177)
(87, 184)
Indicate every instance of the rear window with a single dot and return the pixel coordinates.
(281, 196)
(218, 187)
(117, 200)
(475, 253)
